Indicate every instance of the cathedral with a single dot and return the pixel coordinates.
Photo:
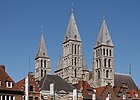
(72, 67)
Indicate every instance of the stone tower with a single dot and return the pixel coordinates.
(71, 66)
(42, 61)
(103, 60)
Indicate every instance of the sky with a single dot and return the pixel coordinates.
(21, 24)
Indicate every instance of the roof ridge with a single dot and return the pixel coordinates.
(123, 74)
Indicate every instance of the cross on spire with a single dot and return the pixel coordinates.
(42, 29)
(104, 15)
(72, 7)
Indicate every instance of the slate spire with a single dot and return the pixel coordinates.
(72, 32)
(42, 51)
(104, 37)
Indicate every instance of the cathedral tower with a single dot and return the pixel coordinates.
(103, 60)
(42, 61)
(71, 66)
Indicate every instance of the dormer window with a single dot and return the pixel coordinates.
(108, 41)
(66, 38)
(9, 84)
(75, 36)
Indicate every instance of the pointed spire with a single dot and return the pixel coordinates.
(59, 64)
(72, 32)
(42, 51)
(104, 37)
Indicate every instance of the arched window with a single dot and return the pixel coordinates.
(100, 63)
(72, 61)
(105, 62)
(107, 52)
(75, 48)
(44, 63)
(75, 61)
(98, 52)
(41, 73)
(78, 49)
(109, 62)
(98, 74)
(97, 63)
(41, 63)
(72, 48)
(103, 51)
(75, 72)
(107, 73)
(110, 52)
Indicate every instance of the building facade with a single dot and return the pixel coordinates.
(9, 90)
(42, 61)
(72, 66)
(30, 87)
(54, 87)
(103, 59)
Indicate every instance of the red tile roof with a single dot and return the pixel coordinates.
(4, 77)
(85, 88)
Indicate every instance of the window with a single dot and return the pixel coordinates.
(105, 62)
(44, 63)
(98, 53)
(107, 72)
(72, 61)
(109, 62)
(75, 72)
(107, 52)
(30, 98)
(36, 98)
(72, 48)
(12, 97)
(97, 63)
(41, 73)
(75, 61)
(41, 63)
(78, 49)
(110, 52)
(75, 48)
(3, 97)
(103, 51)
(98, 74)
(31, 88)
(9, 84)
(7, 97)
